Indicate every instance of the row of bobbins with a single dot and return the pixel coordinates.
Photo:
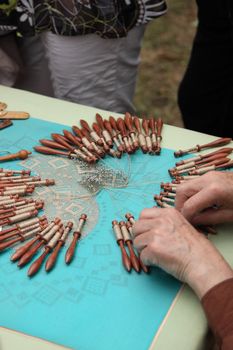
(112, 137)
(51, 237)
(124, 238)
(192, 168)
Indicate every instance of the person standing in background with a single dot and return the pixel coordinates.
(82, 51)
(205, 95)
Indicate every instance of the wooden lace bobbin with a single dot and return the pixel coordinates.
(152, 125)
(143, 266)
(27, 180)
(121, 126)
(16, 188)
(113, 134)
(132, 133)
(98, 150)
(85, 140)
(226, 165)
(164, 199)
(22, 205)
(114, 126)
(76, 236)
(24, 224)
(128, 241)
(58, 138)
(120, 241)
(13, 177)
(44, 239)
(227, 150)
(61, 139)
(9, 187)
(130, 136)
(217, 143)
(52, 144)
(159, 126)
(168, 194)
(186, 177)
(9, 198)
(141, 137)
(36, 265)
(82, 138)
(170, 187)
(21, 192)
(19, 155)
(215, 160)
(105, 133)
(22, 250)
(7, 201)
(21, 238)
(46, 182)
(75, 141)
(186, 167)
(17, 218)
(98, 131)
(51, 151)
(199, 161)
(22, 172)
(129, 228)
(15, 205)
(20, 211)
(163, 205)
(101, 141)
(53, 257)
(5, 175)
(14, 237)
(130, 218)
(41, 225)
(147, 133)
(92, 133)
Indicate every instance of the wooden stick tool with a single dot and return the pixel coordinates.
(120, 241)
(76, 236)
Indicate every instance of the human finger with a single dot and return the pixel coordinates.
(213, 217)
(142, 225)
(148, 258)
(150, 213)
(142, 241)
(185, 191)
(202, 200)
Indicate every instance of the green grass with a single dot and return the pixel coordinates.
(165, 53)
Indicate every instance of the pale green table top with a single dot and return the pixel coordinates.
(185, 327)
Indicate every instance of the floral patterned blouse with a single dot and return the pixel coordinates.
(108, 18)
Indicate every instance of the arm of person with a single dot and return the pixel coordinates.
(166, 239)
(208, 199)
(218, 306)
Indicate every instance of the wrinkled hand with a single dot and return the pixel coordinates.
(166, 239)
(207, 200)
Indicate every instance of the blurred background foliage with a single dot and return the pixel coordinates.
(165, 53)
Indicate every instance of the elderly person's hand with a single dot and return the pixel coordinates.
(166, 239)
(207, 199)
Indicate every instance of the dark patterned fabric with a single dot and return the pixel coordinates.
(108, 18)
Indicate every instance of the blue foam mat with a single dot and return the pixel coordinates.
(93, 303)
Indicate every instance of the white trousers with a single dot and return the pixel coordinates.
(84, 69)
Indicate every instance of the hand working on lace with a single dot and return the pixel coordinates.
(166, 239)
(208, 199)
